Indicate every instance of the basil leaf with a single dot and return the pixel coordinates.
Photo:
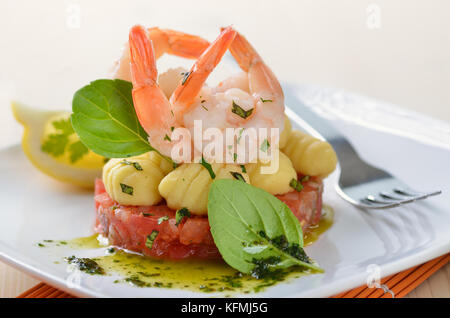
(253, 229)
(162, 219)
(181, 214)
(126, 189)
(266, 100)
(237, 176)
(208, 167)
(238, 110)
(105, 120)
(264, 145)
(151, 238)
(296, 185)
(135, 164)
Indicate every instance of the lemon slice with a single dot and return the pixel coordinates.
(38, 126)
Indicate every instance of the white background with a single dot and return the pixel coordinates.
(46, 54)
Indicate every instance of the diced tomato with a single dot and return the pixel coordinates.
(306, 204)
(129, 226)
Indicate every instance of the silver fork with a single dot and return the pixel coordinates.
(361, 184)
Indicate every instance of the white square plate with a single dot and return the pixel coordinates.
(412, 147)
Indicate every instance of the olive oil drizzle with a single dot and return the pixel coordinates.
(209, 276)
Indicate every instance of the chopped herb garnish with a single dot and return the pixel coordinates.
(166, 137)
(126, 189)
(162, 219)
(181, 214)
(185, 77)
(40, 245)
(235, 157)
(296, 185)
(135, 164)
(147, 214)
(111, 250)
(238, 110)
(204, 107)
(208, 167)
(151, 238)
(135, 281)
(243, 169)
(86, 265)
(172, 128)
(305, 179)
(237, 176)
(265, 145)
(240, 135)
(266, 100)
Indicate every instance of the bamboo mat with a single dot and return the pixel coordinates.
(399, 284)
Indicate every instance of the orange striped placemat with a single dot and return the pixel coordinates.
(399, 284)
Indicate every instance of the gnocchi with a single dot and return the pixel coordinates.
(135, 180)
(309, 155)
(188, 185)
(276, 183)
(284, 136)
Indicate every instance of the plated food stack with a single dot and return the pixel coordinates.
(146, 204)
(177, 184)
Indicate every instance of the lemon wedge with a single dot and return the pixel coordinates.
(59, 155)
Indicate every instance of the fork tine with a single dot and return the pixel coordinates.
(389, 196)
(376, 204)
(381, 204)
(390, 201)
(373, 199)
(416, 195)
(396, 199)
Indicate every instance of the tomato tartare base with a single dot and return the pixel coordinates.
(129, 226)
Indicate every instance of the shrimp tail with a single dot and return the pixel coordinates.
(262, 81)
(243, 52)
(143, 61)
(178, 43)
(189, 88)
(151, 105)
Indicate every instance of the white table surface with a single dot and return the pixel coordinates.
(396, 51)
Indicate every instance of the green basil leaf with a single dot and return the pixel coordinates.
(238, 110)
(208, 167)
(105, 120)
(253, 230)
(181, 214)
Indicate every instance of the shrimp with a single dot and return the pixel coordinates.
(256, 89)
(260, 94)
(156, 114)
(263, 86)
(164, 41)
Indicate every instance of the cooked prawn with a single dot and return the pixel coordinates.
(164, 41)
(260, 93)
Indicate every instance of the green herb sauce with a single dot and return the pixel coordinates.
(208, 276)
